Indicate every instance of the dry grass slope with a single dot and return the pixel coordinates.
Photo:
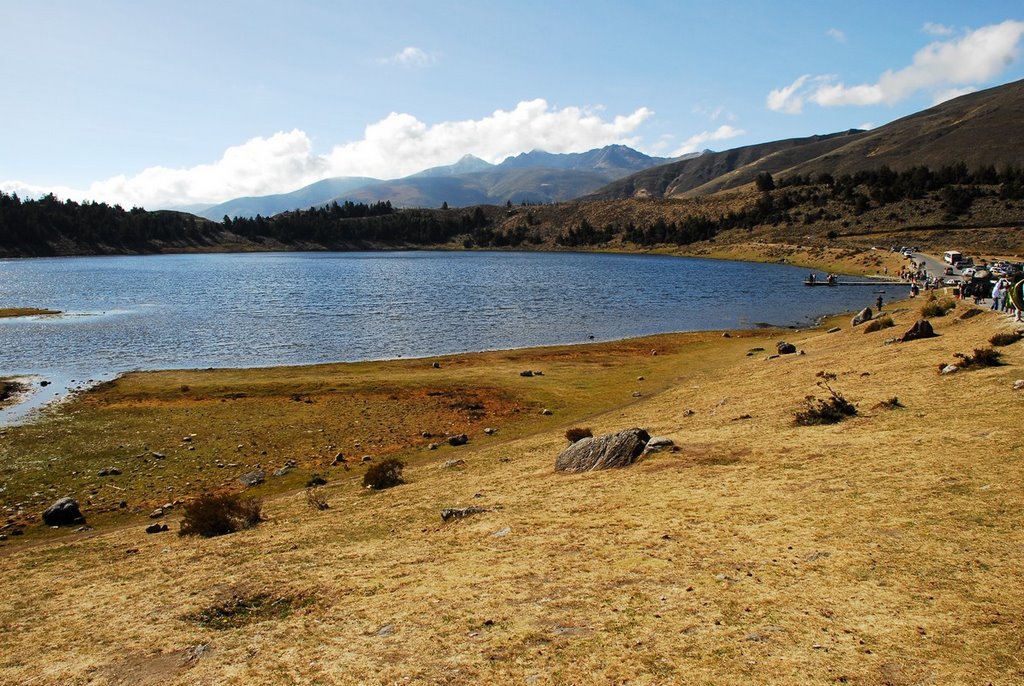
(881, 550)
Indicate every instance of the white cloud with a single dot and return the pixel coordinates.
(950, 93)
(696, 142)
(866, 126)
(974, 58)
(714, 113)
(836, 35)
(410, 57)
(933, 29)
(395, 146)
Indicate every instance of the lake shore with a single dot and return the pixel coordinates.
(760, 551)
(25, 312)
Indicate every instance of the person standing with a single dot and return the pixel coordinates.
(997, 295)
(879, 303)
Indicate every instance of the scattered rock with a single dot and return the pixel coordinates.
(109, 471)
(973, 312)
(950, 369)
(659, 443)
(433, 446)
(921, 329)
(834, 329)
(436, 365)
(64, 512)
(157, 513)
(640, 378)
(537, 373)
(527, 372)
(386, 630)
(637, 394)
(861, 317)
(158, 456)
(366, 458)
(426, 434)
(460, 439)
(502, 533)
(1018, 384)
(338, 459)
(490, 431)
(726, 335)
(156, 528)
(688, 413)
(453, 463)
(654, 352)
(450, 513)
(282, 471)
(603, 452)
(186, 439)
(194, 653)
(253, 478)
(546, 412)
(785, 348)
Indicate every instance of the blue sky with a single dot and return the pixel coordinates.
(163, 103)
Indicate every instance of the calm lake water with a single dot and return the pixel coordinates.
(244, 310)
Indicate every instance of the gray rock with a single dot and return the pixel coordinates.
(453, 463)
(282, 471)
(603, 452)
(460, 439)
(657, 443)
(502, 533)
(338, 459)
(156, 528)
(436, 365)
(526, 373)
(862, 316)
(785, 348)
(450, 513)
(490, 431)
(386, 630)
(546, 412)
(366, 458)
(64, 512)
(834, 329)
(1018, 384)
(253, 478)
(950, 369)
(433, 446)
(158, 456)
(157, 513)
(921, 329)
(109, 471)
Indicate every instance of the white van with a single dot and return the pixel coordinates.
(952, 256)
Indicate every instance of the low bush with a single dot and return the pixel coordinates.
(216, 514)
(315, 480)
(892, 403)
(384, 474)
(879, 324)
(1005, 338)
(981, 357)
(316, 499)
(573, 435)
(831, 410)
(937, 308)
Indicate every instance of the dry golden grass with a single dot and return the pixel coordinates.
(24, 311)
(881, 550)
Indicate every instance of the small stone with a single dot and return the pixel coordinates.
(436, 365)
(426, 434)
(502, 533)
(339, 458)
(186, 439)
(450, 513)
(433, 446)
(639, 378)
(637, 394)
(366, 458)
(453, 463)
(1018, 384)
(490, 431)
(44, 383)
(156, 528)
(459, 439)
(253, 478)
(123, 504)
(157, 513)
(726, 335)
(158, 456)
(950, 369)
(658, 443)
(537, 373)
(527, 372)
(546, 412)
(386, 630)
(282, 471)
(834, 329)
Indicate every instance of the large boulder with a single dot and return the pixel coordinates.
(922, 329)
(64, 512)
(862, 316)
(603, 452)
(785, 348)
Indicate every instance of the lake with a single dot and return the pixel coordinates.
(243, 310)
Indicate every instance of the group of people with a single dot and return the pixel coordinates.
(1001, 295)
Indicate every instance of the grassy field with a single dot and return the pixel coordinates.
(880, 550)
(24, 311)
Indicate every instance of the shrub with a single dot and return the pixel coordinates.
(879, 324)
(216, 514)
(831, 410)
(1005, 338)
(315, 480)
(316, 499)
(384, 474)
(981, 357)
(573, 435)
(937, 308)
(892, 403)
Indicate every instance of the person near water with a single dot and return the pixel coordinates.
(878, 302)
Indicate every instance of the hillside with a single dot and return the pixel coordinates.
(881, 550)
(977, 129)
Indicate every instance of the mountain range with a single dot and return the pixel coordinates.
(533, 177)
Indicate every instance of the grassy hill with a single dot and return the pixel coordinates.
(879, 550)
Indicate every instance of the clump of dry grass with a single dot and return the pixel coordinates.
(879, 324)
(384, 474)
(577, 434)
(892, 403)
(830, 410)
(981, 357)
(937, 308)
(216, 514)
(316, 499)
(1005, 338)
